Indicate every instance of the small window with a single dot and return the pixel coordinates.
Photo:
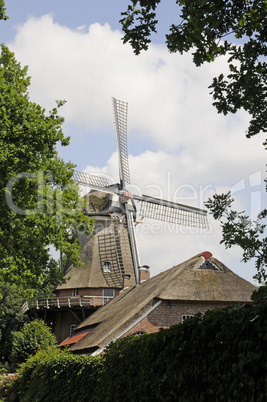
(107, 266)
(72, 328)
(209, 265)
(75, 292)
(108, 294)
(185, 317)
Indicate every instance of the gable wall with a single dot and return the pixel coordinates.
(169, 313)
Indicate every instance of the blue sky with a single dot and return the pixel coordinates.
(80, 13)
(179, 147)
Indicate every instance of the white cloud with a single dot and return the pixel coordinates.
(194, 148)
(168, 96)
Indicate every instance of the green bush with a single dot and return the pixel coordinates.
(218, 357)
(33, 337)
(221, 356)
(11, 319)
(56, 376)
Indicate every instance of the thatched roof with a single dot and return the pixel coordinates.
(109, 243)
(191, 280)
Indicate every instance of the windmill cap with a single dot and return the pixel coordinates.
(206, 255)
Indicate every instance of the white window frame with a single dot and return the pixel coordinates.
(72, 328)
(75, 292)
(107, 266)
(107, 298)
(186, 316)
(139, 333)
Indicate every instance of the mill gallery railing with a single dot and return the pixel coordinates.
(65, 301)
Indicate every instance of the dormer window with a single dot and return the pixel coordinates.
(107, 266)
(209, 265)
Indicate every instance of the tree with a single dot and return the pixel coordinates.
(202, 29)
(11, 318)
(239, 229)
(3, 15)
(236, 29)
(39, 203)
(33, 337)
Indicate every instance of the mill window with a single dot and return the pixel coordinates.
(107, 266)
(108, 293)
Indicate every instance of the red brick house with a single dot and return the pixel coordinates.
(197, 285)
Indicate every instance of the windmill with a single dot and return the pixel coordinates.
(118, 205)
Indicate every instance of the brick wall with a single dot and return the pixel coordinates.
(169, 313)
(83, 292)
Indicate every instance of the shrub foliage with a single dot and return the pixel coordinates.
(33, 337)
(55, 376)
(221, 356)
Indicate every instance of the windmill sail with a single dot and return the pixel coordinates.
(132, 239)
(120, 120)
(89, 179)
(110, 256)
(178, 214)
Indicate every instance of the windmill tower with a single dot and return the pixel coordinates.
(113, 252)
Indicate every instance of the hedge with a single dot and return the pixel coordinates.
(220, 356)
(56, 376)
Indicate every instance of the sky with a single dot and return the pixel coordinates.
(179, 147)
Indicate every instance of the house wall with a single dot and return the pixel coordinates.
(83, 292)
(169, 313)
(62, 322)
(64, 318)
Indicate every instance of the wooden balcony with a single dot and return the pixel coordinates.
(65, 302)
